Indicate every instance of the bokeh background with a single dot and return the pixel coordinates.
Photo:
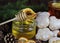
(8, 8)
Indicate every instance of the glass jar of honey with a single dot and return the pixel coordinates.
(25, 28)
(54, 8)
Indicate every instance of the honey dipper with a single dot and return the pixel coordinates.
(19, 17)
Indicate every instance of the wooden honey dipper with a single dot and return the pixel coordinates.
(22, 15)
(19, 17)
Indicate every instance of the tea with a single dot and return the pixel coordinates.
(54, 9)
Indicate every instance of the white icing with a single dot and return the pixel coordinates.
(55, 33)
(44, 34)
(42, 19)
(54, 23)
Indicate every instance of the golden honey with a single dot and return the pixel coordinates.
(24, 29)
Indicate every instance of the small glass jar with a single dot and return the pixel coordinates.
(24, 29)
(54, 8)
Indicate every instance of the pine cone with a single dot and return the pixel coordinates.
(9, 38)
